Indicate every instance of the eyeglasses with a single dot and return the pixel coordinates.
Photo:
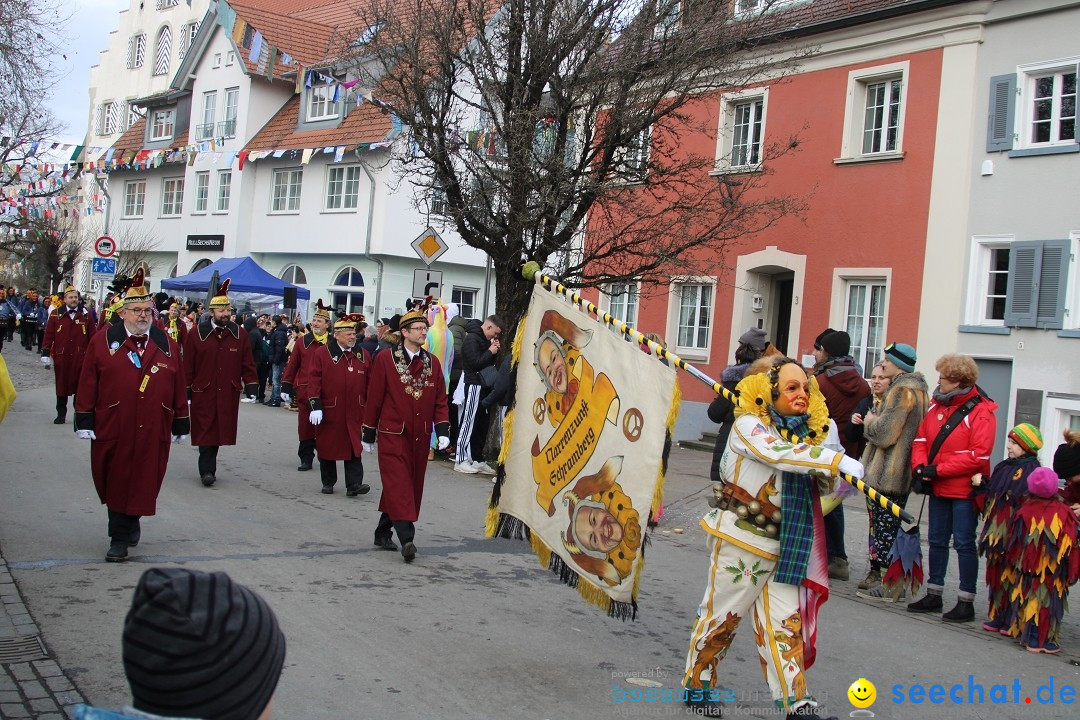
(135, 311)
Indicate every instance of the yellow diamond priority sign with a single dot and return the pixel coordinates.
(429, 246)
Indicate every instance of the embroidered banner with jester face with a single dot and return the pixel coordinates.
(583, 452)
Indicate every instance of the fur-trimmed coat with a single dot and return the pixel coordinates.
(890, 432)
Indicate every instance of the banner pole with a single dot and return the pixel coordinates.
(531, 270)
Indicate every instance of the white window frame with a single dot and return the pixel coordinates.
(349, 290)
(668, 19)
(232, 109)
(632, 164)
(745, 8)
(1027, 75)
(230, 58)
(172, 197)
(855, 111)
(622, 301)
(337, 197)
(866, 352)
(168, 123)
(112, 118)
(289, 272)
(209, 116)
(202, 193)
(134, 198)
(725, 144)
(224, 193)
(978, 278)
(456, 297)
(319, 104)
(136, 51)
(217, 61)
(132, 115)
(287, 203)
(1057, 413)
(843, 278)
(676, 287)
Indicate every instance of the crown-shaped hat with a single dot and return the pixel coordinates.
(137, 291)
(417, 314)
(221, 298)
(68, 287)
(321, 310)
(348, 322)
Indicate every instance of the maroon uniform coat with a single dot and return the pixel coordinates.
(66, 340)
(337, 385)
(218, 366)
(134, 411)
(403, 425)
(294, 382)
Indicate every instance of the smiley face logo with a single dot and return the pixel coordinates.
(862, 693)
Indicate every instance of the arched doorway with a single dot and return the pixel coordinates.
(769, 293)
(347, 292)
(200, 265)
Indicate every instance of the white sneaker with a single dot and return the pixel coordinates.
(465, 467)
(483, 468)
(247, 400)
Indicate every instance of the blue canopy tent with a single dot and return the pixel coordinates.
(250, 285)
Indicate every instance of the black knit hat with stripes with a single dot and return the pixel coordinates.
(198, 645)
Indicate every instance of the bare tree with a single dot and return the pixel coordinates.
(31, 35)
(133, 248)
(530, 120)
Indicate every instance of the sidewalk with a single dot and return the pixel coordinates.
(31, 685)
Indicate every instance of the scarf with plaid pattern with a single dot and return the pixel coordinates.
(797, 508)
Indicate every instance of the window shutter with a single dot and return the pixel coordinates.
(131, 53)
(1020, 306)
(999, 126)
(1053, 282)
(99, 119)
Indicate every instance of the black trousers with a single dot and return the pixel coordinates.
(61, 406)
(354, 473)
(306, 451)
(208, 460)
(263, 370)
(406, 531)
(29, 334)
(121, 526)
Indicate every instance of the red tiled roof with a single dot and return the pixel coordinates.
(365, 124)
(132, 139)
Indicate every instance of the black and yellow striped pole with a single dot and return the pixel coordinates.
(531, 269)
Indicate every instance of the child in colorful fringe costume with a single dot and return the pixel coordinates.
(767, 537)
(1043, 556)
(998, 500)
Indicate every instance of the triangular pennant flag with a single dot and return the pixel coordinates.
(306, 157)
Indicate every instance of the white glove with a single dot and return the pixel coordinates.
(315, 416)
(285, 398)
(368, 447)
(45, 361)
(851, 466)
(444, 442)
(179, 439)
(86, 434)
(18, 316)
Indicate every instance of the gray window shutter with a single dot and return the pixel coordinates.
(999, 126)
(1053, 282)
(1020, 305)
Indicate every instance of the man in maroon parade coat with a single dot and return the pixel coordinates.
(130, 404)
(294, 381)
(67, 335)
(218, 366)
(337, 389)
(406, 399)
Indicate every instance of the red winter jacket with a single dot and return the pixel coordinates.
(965, 452)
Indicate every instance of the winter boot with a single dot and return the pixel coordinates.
(931, 602)
(963, 612)
(872, 579)
(838, 568)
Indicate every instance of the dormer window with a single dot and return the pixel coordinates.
(162, 123)
(321, 105)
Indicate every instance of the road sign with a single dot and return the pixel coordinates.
(102, 268)
(105, 246)
(427, 282)
(429, 246)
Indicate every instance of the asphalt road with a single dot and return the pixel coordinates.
(474, 628)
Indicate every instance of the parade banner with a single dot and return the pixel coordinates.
(584, 450)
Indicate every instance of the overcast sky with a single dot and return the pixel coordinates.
(87, 35)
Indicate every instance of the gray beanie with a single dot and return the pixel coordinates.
(754, 337)
(198, 645)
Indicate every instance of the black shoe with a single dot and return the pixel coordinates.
(357, 490)
(303, 467)
(60, 420)
(133, 538)
(208, 479)
(327, 489)
(117, 551)
(963, 612)
(408, 551)
(274, 403)
(704, 705)
(929, 603)
(385, 544)
(809, 711)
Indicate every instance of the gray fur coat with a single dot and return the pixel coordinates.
(889, 433)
